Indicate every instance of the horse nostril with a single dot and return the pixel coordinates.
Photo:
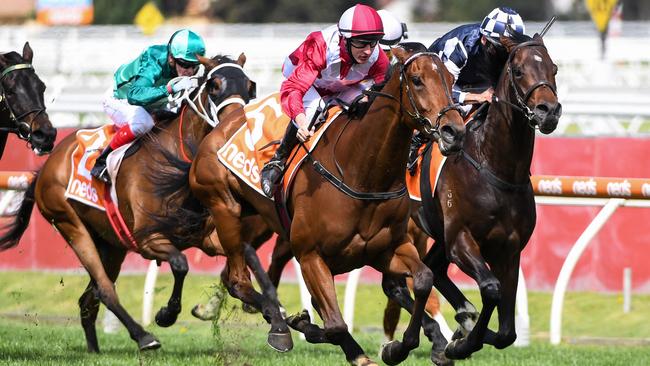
(447, 133)
(544, 108)
(558, 110)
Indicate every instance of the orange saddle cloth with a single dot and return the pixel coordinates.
(82, 186)
(413, 181)
(254, 144)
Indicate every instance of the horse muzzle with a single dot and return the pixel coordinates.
(547, 116)
(42, 140)
(450, 140)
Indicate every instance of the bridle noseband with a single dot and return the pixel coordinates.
(416, 115)
(21, 128)
(522, 100)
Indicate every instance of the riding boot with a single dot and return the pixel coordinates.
(417, 141)
(274, 169)
(123, 136)
(99, 171)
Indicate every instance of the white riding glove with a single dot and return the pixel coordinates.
(183, 83)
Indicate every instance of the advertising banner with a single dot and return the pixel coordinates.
(64, 12)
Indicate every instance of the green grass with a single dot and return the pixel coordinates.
(39, 325)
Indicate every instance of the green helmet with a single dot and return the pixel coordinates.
(185, 44)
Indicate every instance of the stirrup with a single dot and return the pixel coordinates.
(101, 175)
(271, 174)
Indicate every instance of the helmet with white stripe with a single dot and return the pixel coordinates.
(394, 30)
(361, 21)
(496, 23)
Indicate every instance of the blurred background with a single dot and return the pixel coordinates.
(80, 43)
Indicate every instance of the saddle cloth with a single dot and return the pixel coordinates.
(82, 187)
(413, 181)
(255, 142)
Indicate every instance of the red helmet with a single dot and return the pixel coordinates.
(361, 21)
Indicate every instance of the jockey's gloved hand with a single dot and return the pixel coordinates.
(182, 83)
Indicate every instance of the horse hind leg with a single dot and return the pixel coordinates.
(167, 315)
(81, 242)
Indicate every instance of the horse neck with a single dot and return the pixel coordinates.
(378, 147)
(506, 141)
(190, 128)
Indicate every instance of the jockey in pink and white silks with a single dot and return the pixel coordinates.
(337, 62)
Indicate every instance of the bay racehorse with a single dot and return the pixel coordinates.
(335, 231)
(482, 211)
(22, 103)
(87, 229)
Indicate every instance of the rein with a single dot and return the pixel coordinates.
(22, 129)
(522, 107)
(430, 128)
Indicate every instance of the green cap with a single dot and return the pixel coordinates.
(185, 44)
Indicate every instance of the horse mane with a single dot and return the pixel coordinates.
(495, 58)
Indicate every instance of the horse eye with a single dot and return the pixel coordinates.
(416, 81)
(516, 72)
(554, 69)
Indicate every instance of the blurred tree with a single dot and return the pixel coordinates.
(123, 11)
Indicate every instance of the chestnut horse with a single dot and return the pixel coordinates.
(482, 213)
(87, 229)
(22, 105)
(363, 221)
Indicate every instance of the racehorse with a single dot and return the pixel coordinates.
(22, 105)
(87, 229)
(482, 211)
(332, 231)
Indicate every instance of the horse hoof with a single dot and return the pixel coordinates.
(458, 350)
(280, 342)
(165, 317)
(363, 360)
(294, 320)
(391, 353)
(148, 342)
(249, 308)
(199, 312)
(439, 359)
(458, 334)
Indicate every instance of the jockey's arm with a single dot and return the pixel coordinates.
(143, 90)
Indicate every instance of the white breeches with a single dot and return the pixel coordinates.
(123, 113)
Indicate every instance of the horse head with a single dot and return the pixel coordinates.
(530, 74)
(426, 83)
(22, 106)
(226, 83)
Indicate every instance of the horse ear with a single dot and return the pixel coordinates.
(537, 37)
(241, 60)
(401, 53)
(28, 54)
(207, 62)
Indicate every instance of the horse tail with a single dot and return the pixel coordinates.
(182, 220)
(14, 231)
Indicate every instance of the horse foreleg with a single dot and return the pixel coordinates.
(466, 313)
(396, 290)
(253, 262)
(508, 275)
(467, 255)
(279, 258)
(320, 283)
(406, 261)
(167, 315)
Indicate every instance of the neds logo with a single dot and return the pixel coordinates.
(619, 189)
(84, 190)
(547, 186)
(585, 187)
(238, 160)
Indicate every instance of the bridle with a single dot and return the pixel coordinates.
(522, 100)
(429, 127)
(21, 128)
(210, 112)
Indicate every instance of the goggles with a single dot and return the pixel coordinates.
(362, 43)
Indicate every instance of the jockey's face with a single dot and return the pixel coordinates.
(183, 68)
(361, 49)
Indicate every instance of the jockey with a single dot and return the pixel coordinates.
(475, 56)
(394, 31)
(143, 85)
(337, 62)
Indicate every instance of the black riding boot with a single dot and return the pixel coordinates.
(99, 171)
(417, 141)
(274, 169)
